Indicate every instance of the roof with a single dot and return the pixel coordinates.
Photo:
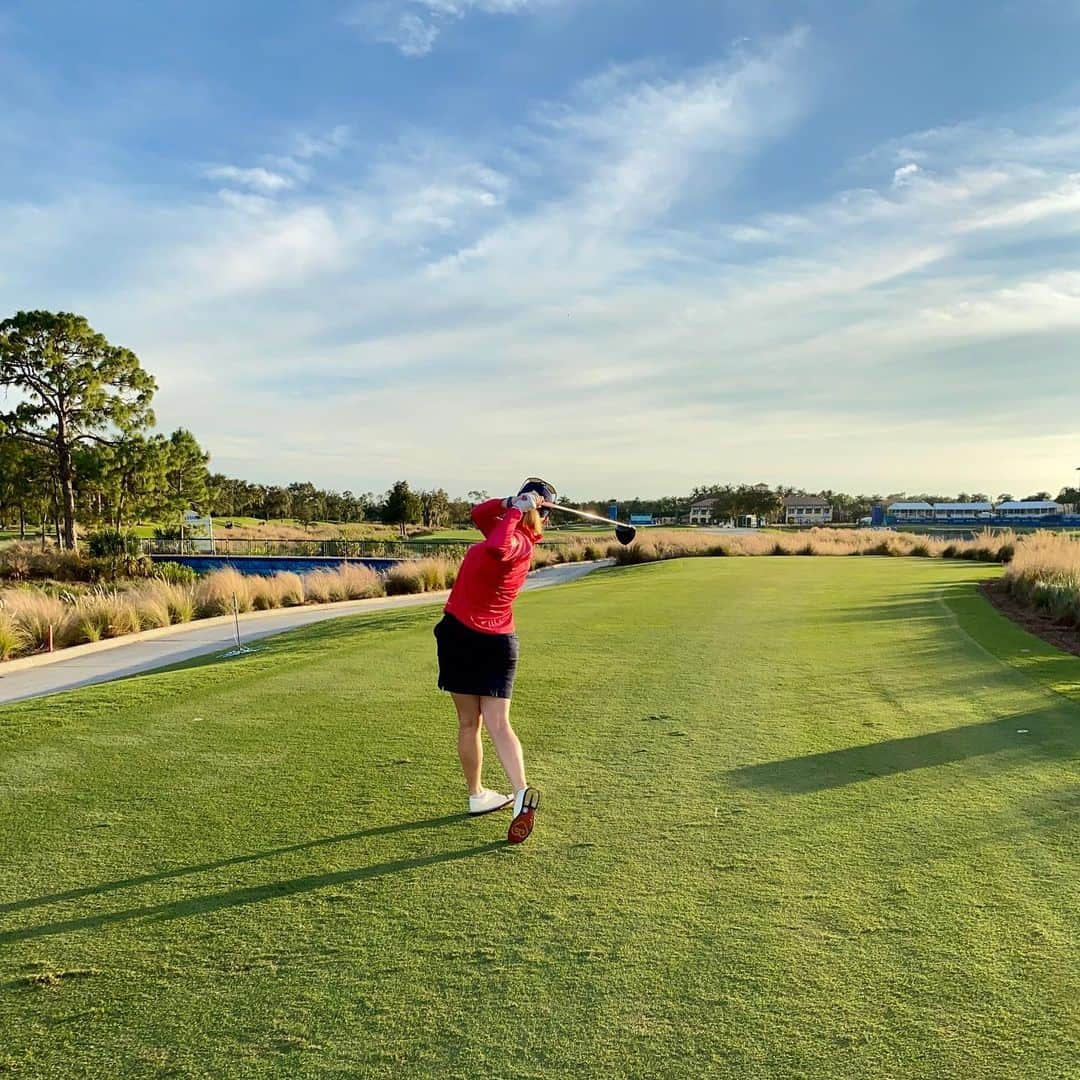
(805, 500)
(702, 503)
(909, 506)
(1034, 504)
(974, 506)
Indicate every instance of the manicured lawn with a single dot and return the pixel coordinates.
(802, 818)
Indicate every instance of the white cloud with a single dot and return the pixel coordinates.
(905, 174)
(593, 264)
(258, 178)
(414, 26)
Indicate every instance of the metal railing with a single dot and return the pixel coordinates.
(331, 549)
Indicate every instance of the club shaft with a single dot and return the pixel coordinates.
(583, 514)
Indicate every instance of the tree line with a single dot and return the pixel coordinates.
(78, 447)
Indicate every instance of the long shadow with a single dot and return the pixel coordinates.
(199, 868)
(1051, 733)
(252, 894)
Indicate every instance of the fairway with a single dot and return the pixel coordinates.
(802, 817)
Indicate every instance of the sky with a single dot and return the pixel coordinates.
(628, 246)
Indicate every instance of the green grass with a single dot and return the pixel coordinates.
(802, 818)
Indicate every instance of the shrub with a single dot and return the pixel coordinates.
(111, 543)
(434, 572)
(180, 600)
(543, 556)
(266, 592)
(151, 602)
(16, 562)
(175, 573)
(216, 593)
(318, 588)
(358, 582)
(1044, 572)
(34, 612)
(292, 589)
(12, 639)
(404, 578)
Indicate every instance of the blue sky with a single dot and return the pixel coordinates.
(627, 245)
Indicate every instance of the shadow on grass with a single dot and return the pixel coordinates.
(252, 894)
(1047, 733)
(199, 868)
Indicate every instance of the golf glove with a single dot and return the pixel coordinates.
(526, 501)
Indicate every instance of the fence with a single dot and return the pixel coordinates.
(327, 549)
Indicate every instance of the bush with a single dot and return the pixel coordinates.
(318, 588)
(151, 603)
(34, 613)
(175, 573)
(216, 593)
(12, 640)
(404, 578)
(354, 581)
(265, 592)
(16, 562)
(111, 543)
(292, 589)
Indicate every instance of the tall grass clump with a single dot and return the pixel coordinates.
(349, 581)
(109, 614)
(151, 600)
(1044, 573)
(404, 578)
(292, 589)
(265, 592)
(33, 613)
(215, 592)
(357, 582)
(438, 572)
(12, 640)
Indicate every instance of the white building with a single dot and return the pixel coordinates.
(807, 510)
(910, 511)
(703, 512)
(1036, 508)
(963, 511)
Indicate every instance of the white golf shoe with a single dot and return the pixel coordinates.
(487, 801)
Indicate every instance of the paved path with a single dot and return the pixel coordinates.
(144, 652)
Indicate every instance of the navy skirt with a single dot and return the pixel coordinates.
(475, 663)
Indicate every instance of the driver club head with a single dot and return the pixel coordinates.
(625, 534)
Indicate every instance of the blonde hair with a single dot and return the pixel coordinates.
(534, 523)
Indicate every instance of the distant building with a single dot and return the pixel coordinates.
(899, 512)
(1014, 512)
(964, 511)
(807, 510)
(1035, 508)
(703, 512)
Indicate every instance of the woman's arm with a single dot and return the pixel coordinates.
(503, 542)
(485, 515)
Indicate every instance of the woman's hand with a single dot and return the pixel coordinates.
(527, 500)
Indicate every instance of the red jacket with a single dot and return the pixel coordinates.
(492, 571)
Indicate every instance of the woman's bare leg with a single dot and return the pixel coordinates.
(496, 714)
(470, 749)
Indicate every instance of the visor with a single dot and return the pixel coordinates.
(543, 488)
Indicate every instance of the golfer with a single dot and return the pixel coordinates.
(478, 649)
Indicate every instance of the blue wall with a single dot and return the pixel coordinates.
(268, 565)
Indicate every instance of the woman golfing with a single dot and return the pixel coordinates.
(478, 649)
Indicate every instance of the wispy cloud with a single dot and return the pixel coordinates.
(258, 178)
(414, 26)
(594, 262)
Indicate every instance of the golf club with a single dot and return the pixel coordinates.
(623, 533)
